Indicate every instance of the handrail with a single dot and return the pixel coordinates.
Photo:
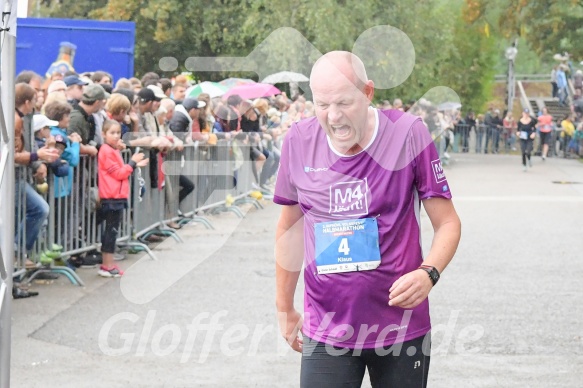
(524, 101)
(571, 87)
(524, 77)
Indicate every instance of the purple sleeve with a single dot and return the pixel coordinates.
(430, 178)
(285, 191)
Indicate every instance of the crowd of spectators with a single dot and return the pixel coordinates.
(59, 121)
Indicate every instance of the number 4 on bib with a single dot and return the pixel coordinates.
(347, 246)
(343, 247)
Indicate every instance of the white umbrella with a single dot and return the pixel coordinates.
(285, 77)
(451, 105)
(213, 89)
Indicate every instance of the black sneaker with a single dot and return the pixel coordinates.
(74, 262)
(20, 293)
(91, 260)
(47, 276)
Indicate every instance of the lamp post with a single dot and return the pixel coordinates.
(511, 56)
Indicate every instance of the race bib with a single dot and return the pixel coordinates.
(347, 246)
(523, 135)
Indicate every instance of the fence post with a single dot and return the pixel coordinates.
(7, 72)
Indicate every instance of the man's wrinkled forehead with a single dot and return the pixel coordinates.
(338, 69)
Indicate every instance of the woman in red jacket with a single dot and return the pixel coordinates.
(114, 189)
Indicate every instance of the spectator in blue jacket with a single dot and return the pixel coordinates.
(59, 112)
(562, 84)
(42, 135)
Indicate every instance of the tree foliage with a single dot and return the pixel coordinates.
(549, 26)
(473, 57)
(450, 47)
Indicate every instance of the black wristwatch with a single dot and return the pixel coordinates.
(432, 272)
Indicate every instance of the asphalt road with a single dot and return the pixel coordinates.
(506, 313)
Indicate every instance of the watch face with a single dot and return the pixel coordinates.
(432, 272)
(434, 275)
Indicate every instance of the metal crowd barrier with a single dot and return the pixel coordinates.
(127, 235)
(509, 139)
(462, 138)
(42, 250)
(492, 139)
(149, 200)
(222, 175)
(480, 130)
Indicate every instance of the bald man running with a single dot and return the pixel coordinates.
(351, 181)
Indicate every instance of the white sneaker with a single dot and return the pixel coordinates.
(445, 154)
(113, 272)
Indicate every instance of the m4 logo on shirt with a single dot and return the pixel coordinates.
(437, 171)
(349, 199)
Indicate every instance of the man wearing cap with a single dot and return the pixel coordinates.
(148, 103)
(151, 118)
(158, 92)
(184, 116)
(149, 100)
(82, 120)
(74, 90)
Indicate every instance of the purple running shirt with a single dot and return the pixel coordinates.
(387, 180)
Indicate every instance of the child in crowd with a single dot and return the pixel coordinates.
(114, 191)
(42, 136)
(60, 113)
(41, 125)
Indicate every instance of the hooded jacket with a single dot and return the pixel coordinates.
(181, 123)
(113, 173)
(64, 186)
